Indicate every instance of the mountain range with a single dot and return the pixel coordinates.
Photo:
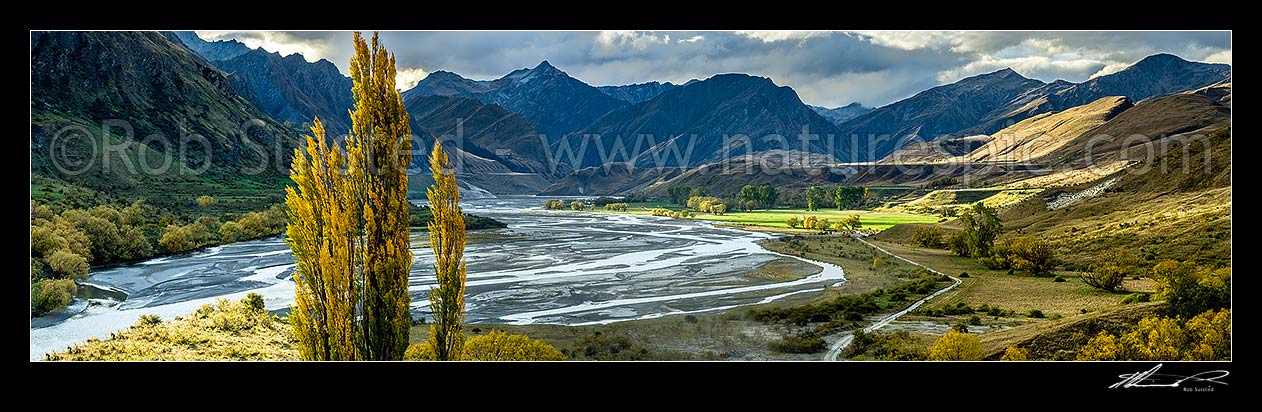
(988, 102)
(635, 93)
(540, 130)
(552, 101)
(288, 88)
(161, 96)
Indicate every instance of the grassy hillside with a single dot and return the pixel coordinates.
(131, 115)
(1061, 339)
(1156, 208)
(1037, 136)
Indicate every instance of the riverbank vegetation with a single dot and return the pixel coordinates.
(226, 330)
(67, 242)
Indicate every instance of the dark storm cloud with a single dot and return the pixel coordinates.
(825, 68)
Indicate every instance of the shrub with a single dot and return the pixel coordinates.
(499, 346)
(553, 205)
(254, 301)
(1189, 290)
(51, 294)
(1135, 298)
(148, 320)
(601, 346)
(1110, 270)
(603, 201)
(975, 320)
(1206, 336)
(707, 204)
(1014, 353)
(578, 205)
(205, 200)
(418, 352)
(1035, 313)
(177, 239)
(616, 207)
(1058, 279)
(793, 221)
(810, 222)
(690, 319)
(895, 345)
(957, 346)
(1026, 254)
(929, 236)
(964, 275)
(68, 265)
(799, 344)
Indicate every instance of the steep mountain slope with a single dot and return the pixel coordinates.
(1153, 124)
(491, 134)
(186, 120)
(1037, 136)
(940, 110)
(1156, 75)
(635, 93)
(839, 115)
(552, 101)
(1155, 208)
(702, 123)
(211, 50)
(287, 88)
(291, 89)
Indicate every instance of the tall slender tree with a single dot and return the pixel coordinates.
(380, 148)
(446, 239)
(349, 224)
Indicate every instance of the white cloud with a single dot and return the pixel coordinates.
(636, 40)
(1041, 67)
(407, 77)
(1220, 57)
(692, 39)
(909, 40)
(772, 36)
(276, 42)
(1110, 69)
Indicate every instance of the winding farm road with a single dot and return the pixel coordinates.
(835, 350)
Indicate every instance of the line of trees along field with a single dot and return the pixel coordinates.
(349, 233)
(765, 196)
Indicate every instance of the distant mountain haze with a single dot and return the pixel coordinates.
(635, 93)
(841, 114)
(688, 125)
(552, 101)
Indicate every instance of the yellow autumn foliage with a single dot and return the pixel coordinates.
(227, 330)
(957, 346)
(447, 241)
(348, 224)
(494, 346)
(1206, 336)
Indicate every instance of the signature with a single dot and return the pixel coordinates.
(1152, 379)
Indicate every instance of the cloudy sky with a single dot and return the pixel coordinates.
(826, 68)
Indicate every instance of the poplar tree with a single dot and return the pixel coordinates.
(348, 224)
(447, 240)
